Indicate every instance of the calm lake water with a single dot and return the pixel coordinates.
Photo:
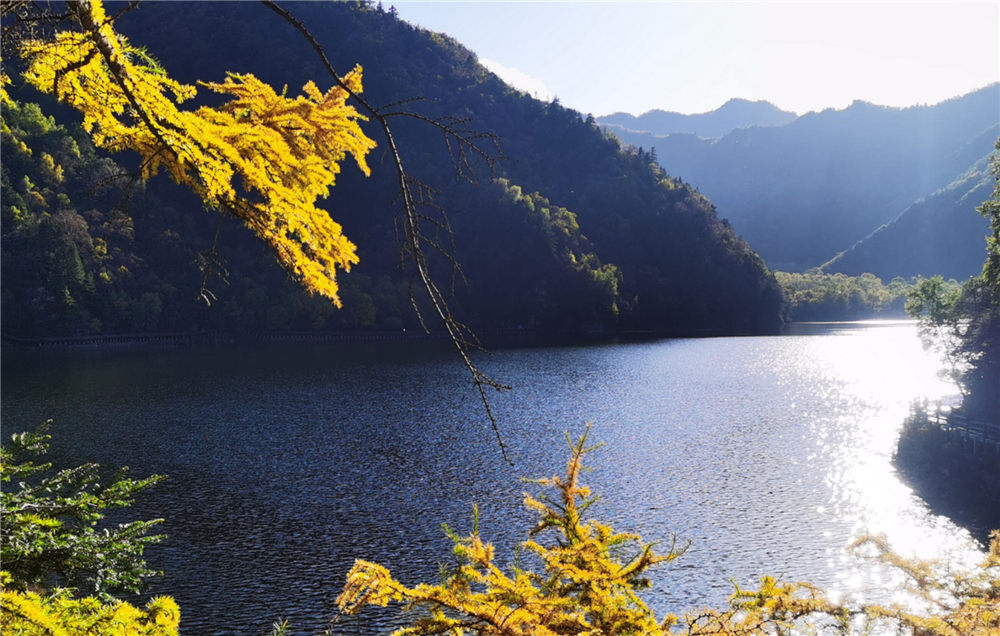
(287, 462)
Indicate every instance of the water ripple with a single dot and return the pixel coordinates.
(287, 463)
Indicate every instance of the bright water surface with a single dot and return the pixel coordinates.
(287, 462)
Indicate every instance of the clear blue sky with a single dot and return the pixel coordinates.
(602, 57)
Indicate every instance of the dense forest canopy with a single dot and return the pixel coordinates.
(601, 237)
(818, 297)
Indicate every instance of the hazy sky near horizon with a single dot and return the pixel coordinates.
(691, 57)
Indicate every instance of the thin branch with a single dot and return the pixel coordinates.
(13, 5)
(75, 66)
(134, 4)
(28, 19)
(212, 263)
(408, 100)
(461, 142)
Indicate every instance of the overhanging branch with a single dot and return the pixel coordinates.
(464, 145)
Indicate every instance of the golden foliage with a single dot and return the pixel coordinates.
(30, 614)
(4, 97)
(955, 603)
(583, 588)
(263, 157)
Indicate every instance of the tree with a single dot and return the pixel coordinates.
(814, 295)
(981, 304)
(588, 584)
(51, 550)
(966, 324)
(261, 157)
(50, 536)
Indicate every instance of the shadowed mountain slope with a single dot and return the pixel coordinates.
(941, 234)
(580, 236)
(804, 192)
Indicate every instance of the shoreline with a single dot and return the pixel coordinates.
(954, 481)
(493, 337)
(489, 337)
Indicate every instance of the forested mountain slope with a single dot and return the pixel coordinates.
(736, 113)
(941, 234)
(577, 237)
(803, 192)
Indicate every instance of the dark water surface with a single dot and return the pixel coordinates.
(287, 462)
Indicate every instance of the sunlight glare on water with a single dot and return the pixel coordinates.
(881, 372)
(771, 455)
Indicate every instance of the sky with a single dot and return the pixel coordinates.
(692, 57)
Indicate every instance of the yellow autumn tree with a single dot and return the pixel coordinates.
(31, 614)
(263, 157)
(587, 584)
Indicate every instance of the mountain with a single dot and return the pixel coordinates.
(575, 235)
(736, 113)
(804, 192)
(941, 234)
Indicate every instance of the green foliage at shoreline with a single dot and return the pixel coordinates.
(965, 323)
(819, 297)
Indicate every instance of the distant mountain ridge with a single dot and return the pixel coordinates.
(736, 113)
(806, 191)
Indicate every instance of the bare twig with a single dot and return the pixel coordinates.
(24, 21)
(464, 146)
(211, 263)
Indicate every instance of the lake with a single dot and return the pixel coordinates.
(287, 462)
